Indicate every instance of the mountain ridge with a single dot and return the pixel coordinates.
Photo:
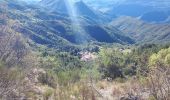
(143, 31)
(55, 30)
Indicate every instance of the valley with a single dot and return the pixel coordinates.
(84, 50)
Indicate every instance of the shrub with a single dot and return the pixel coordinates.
(47, 79)
(163, 57)
(158, 77)
(111, 63)
(48, 93)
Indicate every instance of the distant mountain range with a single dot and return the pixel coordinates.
(54, 29)
(145, 12)
(82, 9)
(145, 9)
(156, 16)
(48, 23)
(143, 32)
(105, 3)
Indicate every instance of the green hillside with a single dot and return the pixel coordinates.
(52, 28)
(143, 32)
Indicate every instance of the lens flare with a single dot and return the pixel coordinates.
(81, 36)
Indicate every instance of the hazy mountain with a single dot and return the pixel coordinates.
(151, 11)
(84, 10)
(55, 5)
(158, 4)
(143, 31)
(155, 16)
(56, 30)
(52, 25)
(80, 7)
(134, 10)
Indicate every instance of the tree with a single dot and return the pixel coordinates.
(158, 76)
(163, 57)
(111, 62)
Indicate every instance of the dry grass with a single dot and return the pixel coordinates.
(116, 90)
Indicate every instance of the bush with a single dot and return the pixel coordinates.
(162, 57)
(48, 93)
(111, 63)
(47, 79)
(158, 76)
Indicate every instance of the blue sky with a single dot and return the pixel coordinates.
(161, 3)
(31, 0)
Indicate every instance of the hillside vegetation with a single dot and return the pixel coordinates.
(43, 56)
(142, 31)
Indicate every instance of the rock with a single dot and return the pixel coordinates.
(129, 97)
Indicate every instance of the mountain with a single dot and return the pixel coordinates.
(133, 10)
(84, 10)
(49, 50)
(157, 4)
(80, 7)
(55, 29)
(55, 5)
(142, 31)
(151, 11)
(155, 16)
(105, 11)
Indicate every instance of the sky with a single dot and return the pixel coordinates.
(161, 3)
(90, 0)
(31, 0)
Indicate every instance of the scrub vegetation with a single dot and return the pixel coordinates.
(40, 58)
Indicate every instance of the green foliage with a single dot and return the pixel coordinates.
(163, 57)
(48, 78)
(49, 62)
(140, 57)
(65, 68)
(111, 62)
(143, 32)
(48, 93)
(151, 98)
(112, 57)
(65, 77)
(116, 62)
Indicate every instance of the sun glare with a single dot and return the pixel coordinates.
(76, 25)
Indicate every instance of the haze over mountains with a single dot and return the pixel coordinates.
(142, 31)
(54, 29)
(151, 11)
(49, 22)
(136, 8)
(140, 11)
